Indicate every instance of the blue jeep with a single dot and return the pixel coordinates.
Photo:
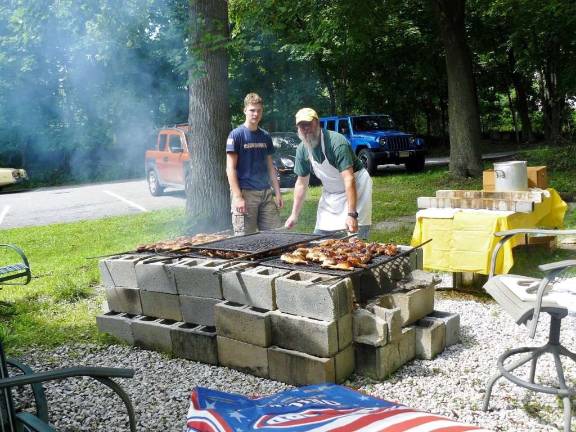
(376, 142)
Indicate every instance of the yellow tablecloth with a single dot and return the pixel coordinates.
(464, 241)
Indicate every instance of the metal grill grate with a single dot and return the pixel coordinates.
(262, 241)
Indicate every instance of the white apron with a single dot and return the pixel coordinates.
(333, 208)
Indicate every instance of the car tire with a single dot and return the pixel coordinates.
(368, 160)
(154, 185)
(415, 164)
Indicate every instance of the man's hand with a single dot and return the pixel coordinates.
(291, 222)
(279, 201)
(351, 224)
(240, 205)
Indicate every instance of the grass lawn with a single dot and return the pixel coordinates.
(61, 302)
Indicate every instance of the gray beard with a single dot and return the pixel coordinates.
(311, 142)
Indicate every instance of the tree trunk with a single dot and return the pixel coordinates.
(207, 192)
(463, 116)
(552, 101)
(520, 85)
(329, 83)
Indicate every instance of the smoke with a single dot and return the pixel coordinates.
(84, 84)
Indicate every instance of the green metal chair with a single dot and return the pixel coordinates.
(12, 420)
(525, 299)
(19, 271)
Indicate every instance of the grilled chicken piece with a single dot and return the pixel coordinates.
(292, 258)
(337, 265)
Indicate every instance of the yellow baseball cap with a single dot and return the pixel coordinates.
(306, 114)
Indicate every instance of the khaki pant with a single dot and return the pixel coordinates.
(261, 212)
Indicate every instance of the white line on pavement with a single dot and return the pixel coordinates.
(130, 203)
(5, 211)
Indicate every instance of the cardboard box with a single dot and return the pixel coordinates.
(488, 180)
(549, 242)
(537, 177)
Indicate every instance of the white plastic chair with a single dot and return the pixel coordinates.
(524, 299)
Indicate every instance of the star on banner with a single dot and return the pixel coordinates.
(237, 416)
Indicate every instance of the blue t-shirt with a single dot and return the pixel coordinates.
(252, 147)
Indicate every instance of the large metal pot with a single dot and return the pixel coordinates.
(511, 176)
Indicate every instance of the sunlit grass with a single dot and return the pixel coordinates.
(63, 299)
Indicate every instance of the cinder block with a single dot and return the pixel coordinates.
(380, 362)
(407, 345)
(304, 294)
(124, 300)
(393, 319)
(369, 329)
(414, 304)
(105, 275)
(116, 324)
(161, 305)
(195, 277)
(452, 323)
(198, 310)
(233, 284)
(194, 342)
(153, 334)
(243, 323)
(344, 363)
(260, 284)
(307, 335)
(242, 356)
(430, 338)
(121, 269)
(154, 276)
(296, 368)
(345, 335)
(377, 362)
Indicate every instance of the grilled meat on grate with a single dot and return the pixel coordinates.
(179, 243)
(340, 254)
(221, 253)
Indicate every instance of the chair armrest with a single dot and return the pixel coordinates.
(507, 235)
(33, 423)
(534, 231)
(37, 389)
(58, 374)
(559, 265)
(100, 374)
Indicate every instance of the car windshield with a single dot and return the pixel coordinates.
(285, 143)
(372, 123)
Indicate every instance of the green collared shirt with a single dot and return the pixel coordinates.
(338, 151)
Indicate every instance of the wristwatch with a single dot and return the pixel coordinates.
(353, 214)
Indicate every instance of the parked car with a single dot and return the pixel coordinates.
(10, 176)
(375, 141)
(166, 164)
(285, 144)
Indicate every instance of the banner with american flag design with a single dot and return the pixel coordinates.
(317, 408)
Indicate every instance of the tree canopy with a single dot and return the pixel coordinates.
(84, 84)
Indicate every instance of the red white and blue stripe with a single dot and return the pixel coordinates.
(319, 408)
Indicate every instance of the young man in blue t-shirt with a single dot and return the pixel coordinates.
(251, 172)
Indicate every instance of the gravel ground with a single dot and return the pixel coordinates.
(452, 384)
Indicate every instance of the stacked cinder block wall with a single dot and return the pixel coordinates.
(292, 326)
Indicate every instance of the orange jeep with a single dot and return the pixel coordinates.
(166, 165)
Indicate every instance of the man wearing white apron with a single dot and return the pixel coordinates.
(346, 201)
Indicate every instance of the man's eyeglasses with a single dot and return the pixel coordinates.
(304, 125)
